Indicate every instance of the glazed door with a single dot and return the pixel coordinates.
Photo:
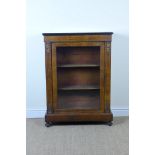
(78, 76)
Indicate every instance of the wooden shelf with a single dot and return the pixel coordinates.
(79, 88)
(78, 65)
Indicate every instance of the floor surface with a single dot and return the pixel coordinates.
(94, 139)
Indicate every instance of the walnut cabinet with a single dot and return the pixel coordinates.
(78, 73)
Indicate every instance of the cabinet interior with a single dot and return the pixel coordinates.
(78, 77)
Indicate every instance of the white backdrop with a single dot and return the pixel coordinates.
(76, 16)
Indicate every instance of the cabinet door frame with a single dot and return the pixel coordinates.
(102, 74)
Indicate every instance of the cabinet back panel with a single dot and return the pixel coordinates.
(80, 99)
(84, 77)
(78, 55)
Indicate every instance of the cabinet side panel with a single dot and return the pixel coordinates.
(48, 65)
(102, 51)
(54, 77)
(107, 75)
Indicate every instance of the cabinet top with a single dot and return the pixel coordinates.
(80, 33)
(64, 37)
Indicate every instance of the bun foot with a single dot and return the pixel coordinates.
(109, 123)
(48, 124)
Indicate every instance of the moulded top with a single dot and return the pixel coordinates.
(88, 36)
(77, 33)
